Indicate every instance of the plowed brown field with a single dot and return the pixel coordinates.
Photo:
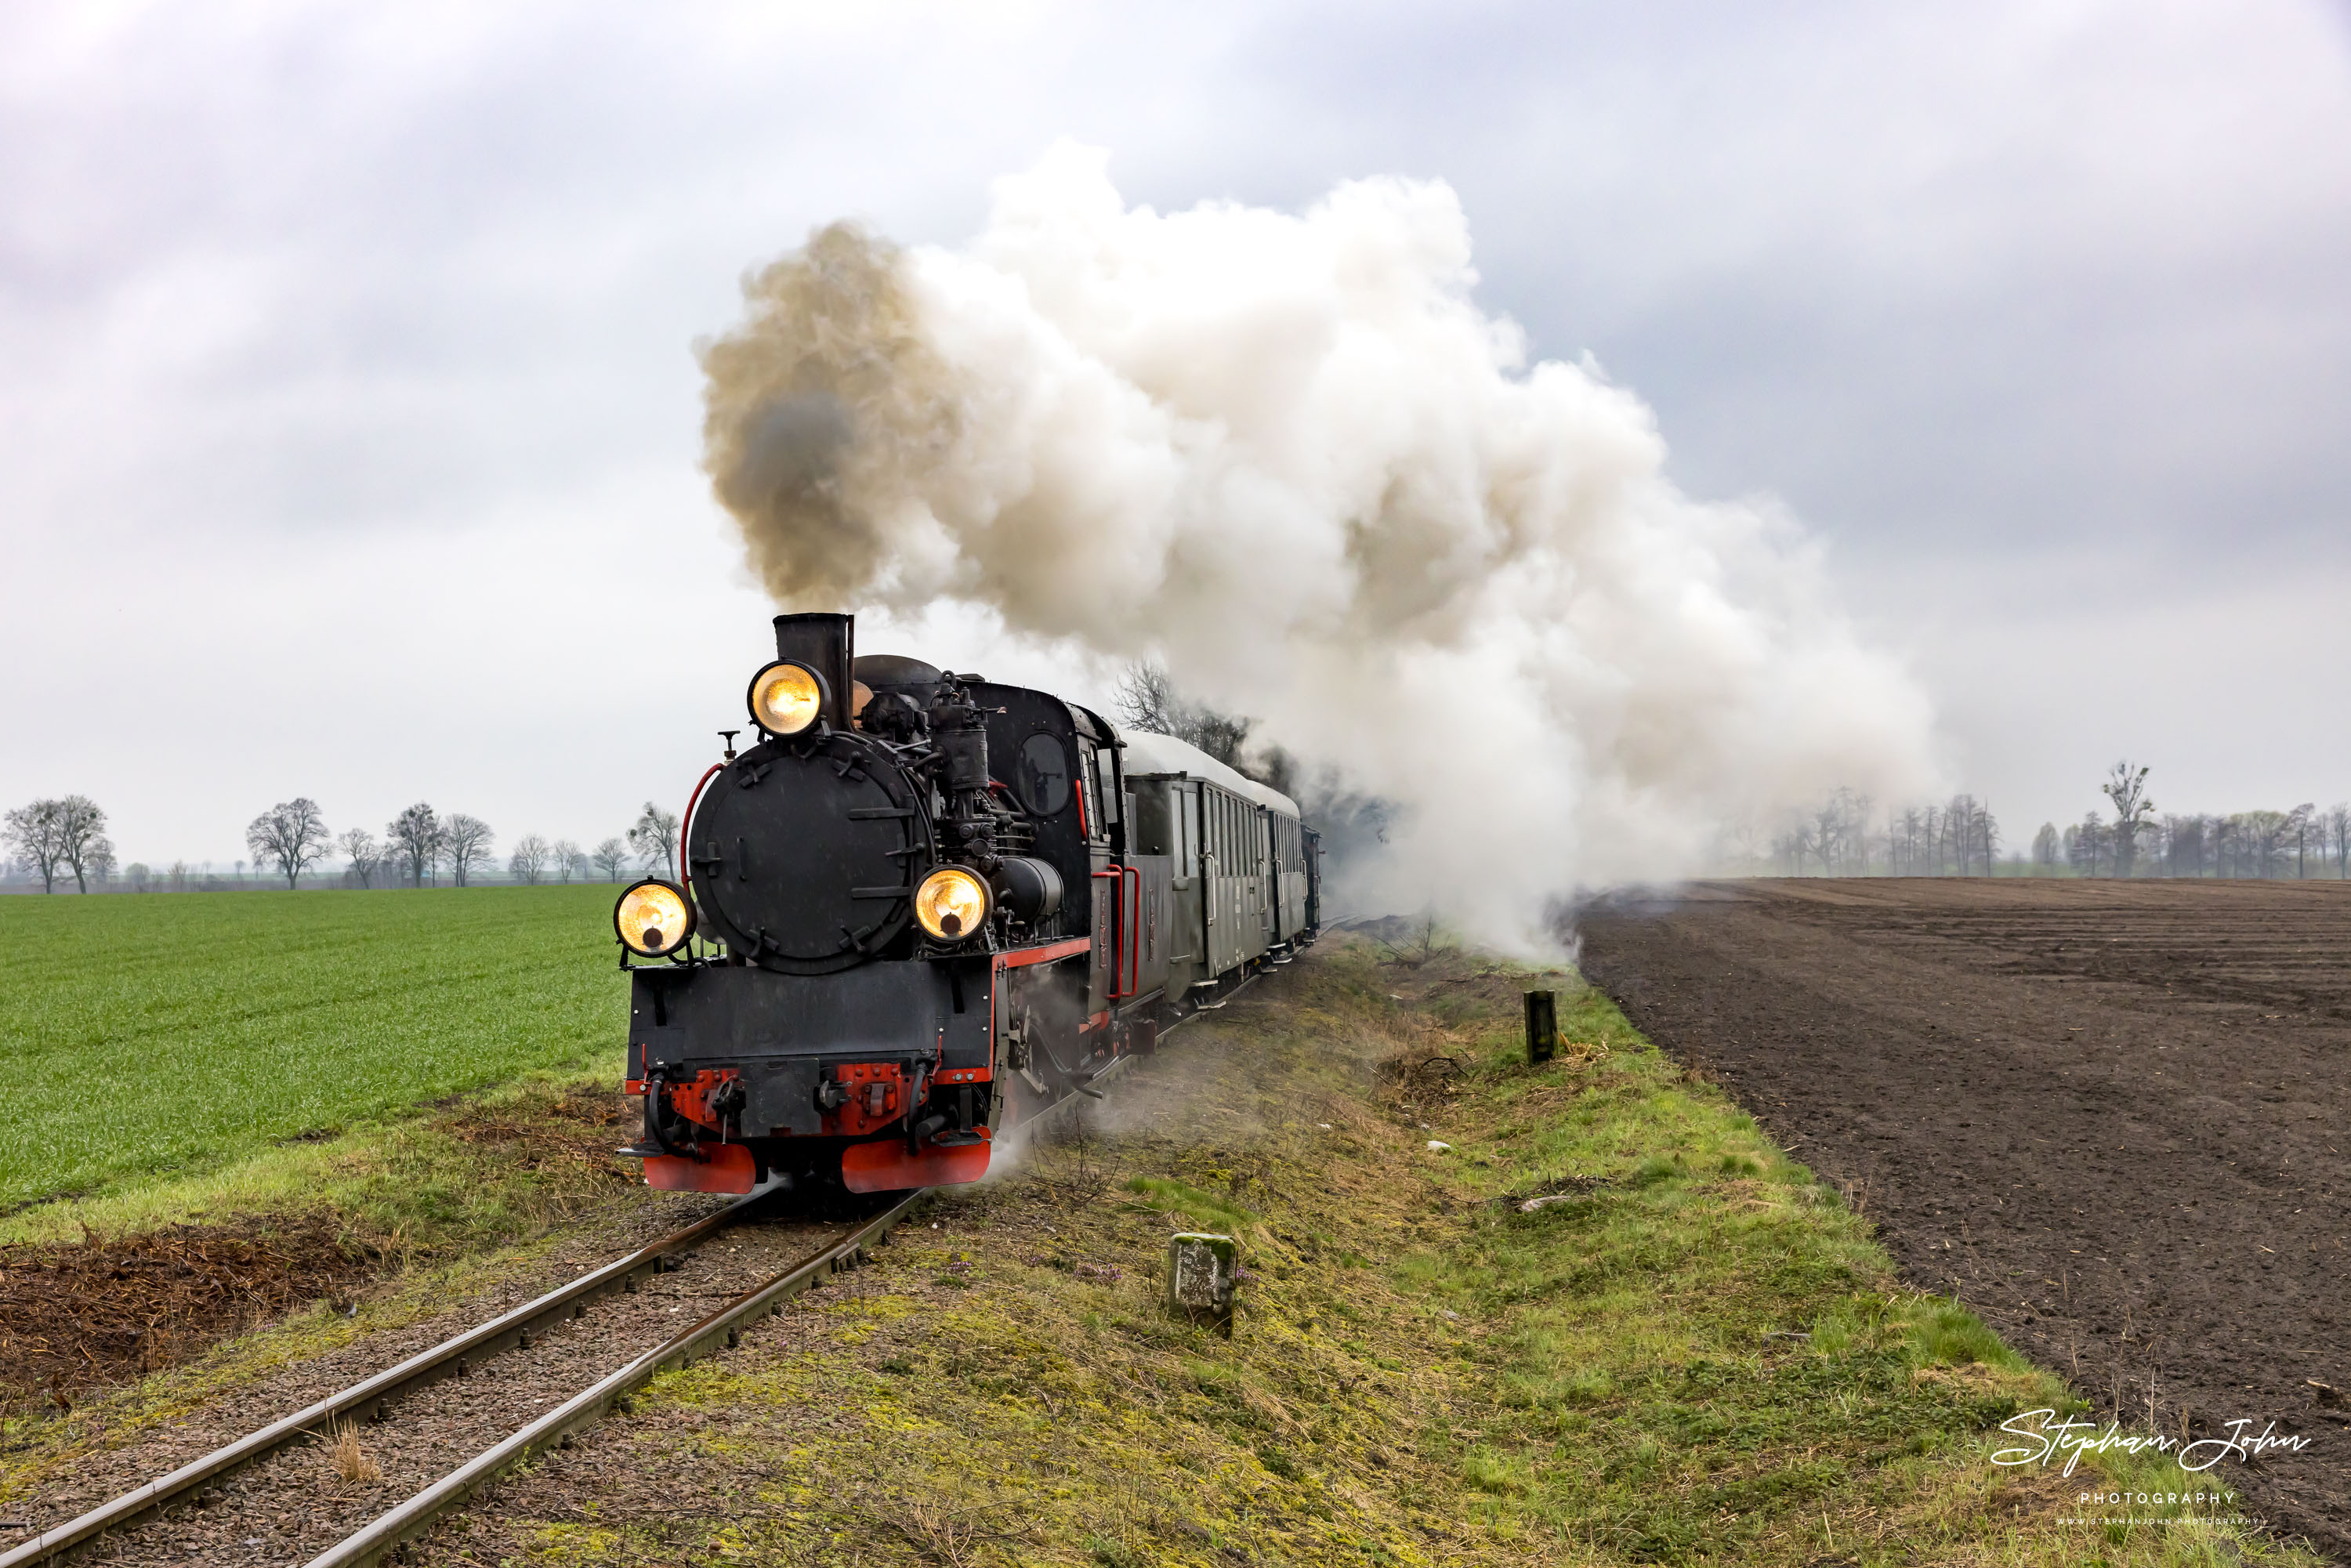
(2111, 1116)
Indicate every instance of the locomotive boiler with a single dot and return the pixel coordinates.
(924, 906)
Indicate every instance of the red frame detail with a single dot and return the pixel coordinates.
(1020, 958)
(729, 1168)
(884, 1166)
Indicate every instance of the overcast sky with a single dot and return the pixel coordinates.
(348, 420)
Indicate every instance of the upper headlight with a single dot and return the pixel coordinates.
(654, 918)
(952, 904)
(787, 698)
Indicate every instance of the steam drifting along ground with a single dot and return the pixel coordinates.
(1291, 457)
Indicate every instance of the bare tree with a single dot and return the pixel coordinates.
(82, 842)
(2338, 837)
(2126, 788)
(138, 876)
(414, 839)
(292, 833)
(655, 840)
(35, 831)
(611, 859)
(359, 847)
(1147, 700)
(467, 842)
(529, 860)
(568, 858)
(1828, 835)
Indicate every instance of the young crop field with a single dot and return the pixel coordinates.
(153, 1032)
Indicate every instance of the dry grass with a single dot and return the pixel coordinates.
(350, 1459)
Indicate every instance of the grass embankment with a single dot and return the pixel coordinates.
(183, 1032)
(1424, 1372)
(228, 1110)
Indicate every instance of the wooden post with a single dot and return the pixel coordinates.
(1201, 1271)
(1543, 1027)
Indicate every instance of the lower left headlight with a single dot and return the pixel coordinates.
(654, 918)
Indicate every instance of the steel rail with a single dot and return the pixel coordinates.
(389, 1533)
(451, 1358)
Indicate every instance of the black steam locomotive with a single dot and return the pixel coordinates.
(923, 907)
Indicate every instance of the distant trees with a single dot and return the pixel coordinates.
(530, 860)
(2089, 847)
(2185, 844)
(33, 831)
(2338, 825)
(611, 859)
(466, 842)
(69, 833)
(415, 840)
(2045, 849)
(290, 834)
(2126, 788)
(567, 859)
(358, 848)
(655, 840)
(1960, 837)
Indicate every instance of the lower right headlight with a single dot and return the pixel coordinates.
(951, 903)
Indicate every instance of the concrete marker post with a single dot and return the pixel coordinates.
(1201, 1271)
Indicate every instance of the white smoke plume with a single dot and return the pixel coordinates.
(1289, 457)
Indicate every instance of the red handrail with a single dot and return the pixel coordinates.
(1115, 922)
(1130, 923)
(685, 822)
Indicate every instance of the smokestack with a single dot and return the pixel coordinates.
(827, 644)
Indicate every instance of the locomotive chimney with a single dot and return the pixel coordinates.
(827, 644)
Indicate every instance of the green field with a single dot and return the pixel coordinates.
(145, 1032)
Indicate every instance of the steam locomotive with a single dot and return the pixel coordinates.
(925, 908)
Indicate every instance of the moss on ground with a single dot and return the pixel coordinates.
(1690, 1352)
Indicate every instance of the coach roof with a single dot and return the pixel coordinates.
(1148, 752)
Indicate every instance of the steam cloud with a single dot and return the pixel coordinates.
(1289, 457)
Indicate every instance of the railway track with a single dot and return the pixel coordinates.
(374, 1403)
(117, 1527)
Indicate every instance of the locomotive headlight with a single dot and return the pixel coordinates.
(952, 904)
(654, 918)
(786, 699)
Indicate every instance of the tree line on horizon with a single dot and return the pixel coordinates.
(1846, 836)
(53, 840)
